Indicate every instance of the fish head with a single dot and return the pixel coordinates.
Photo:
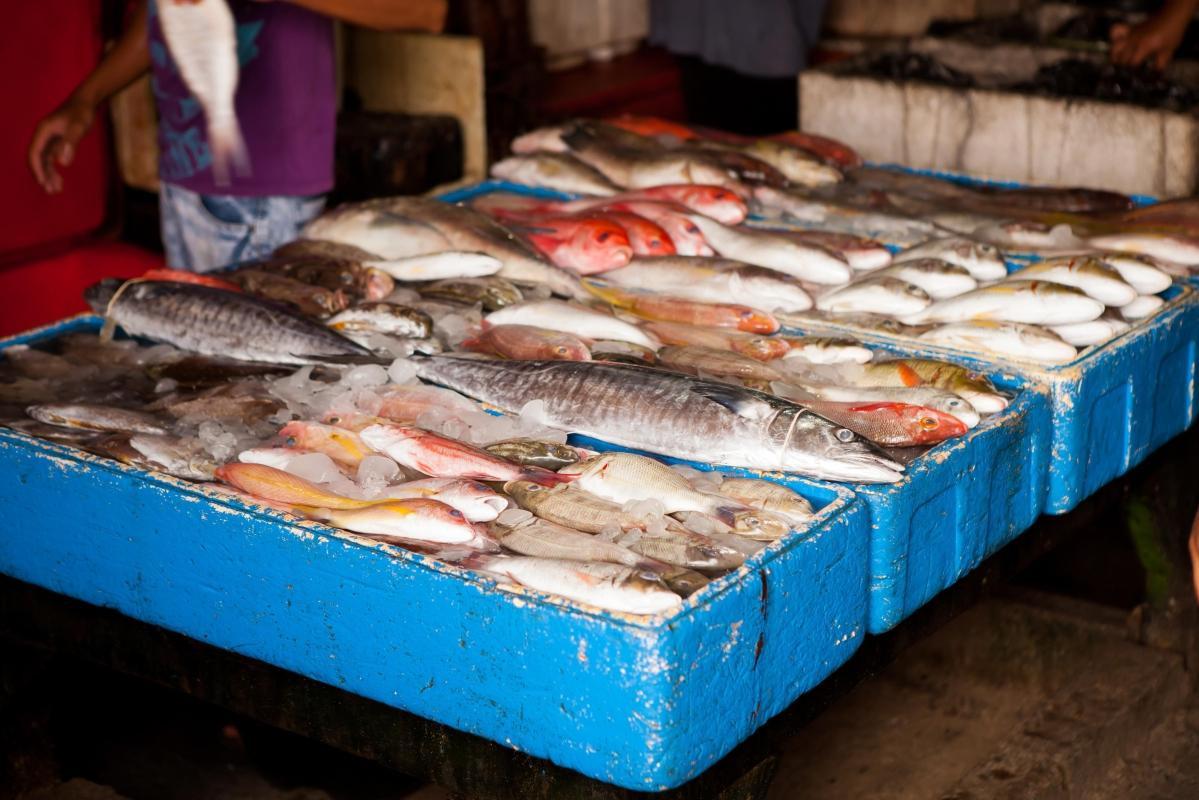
(717, 202)
(927, 425)
(600, 245)
(839, 453)
(957, 407)
(978, 390)
(751, 320)
(525, 493)
(100, 294)
(762, 348)
(564, 347)
(762, 525)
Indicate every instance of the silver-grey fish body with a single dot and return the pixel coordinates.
(215, 322)
(669, 413)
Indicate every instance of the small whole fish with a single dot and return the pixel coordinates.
(569, 318)
(645, 237)
(876, 294)
(862, 254)
(794, 207)
(419, 520)
(1141, 307)
(650, 305)
(385, 318)
(559, 171)
(714, 280)
(527, 342)
(437, 266)
(311, 300)
(582, 244)
(694, 359)
(1085, 334)
(623, 352)
(441, 457)
(763, 348)
(277, 457)
(686, 236)
(202, 38)
(492, 292)
(406, 403)
(343, 446)
(635, 168)
(1140, 272)
(1163, 246)
(983, 261)
(926, 396)
(213, 322)
(768, 496)
(1030, 302)
(275, 485)
(92, 417)
(940, 279)
(888, 423)
(544, 539)
(827, 350)
(717, 202)
(186, 276)
(797, 165)
(1010, 339)
(610, 586)
(350, 277)
(774, 251)
(1091, 275)
(477, 502)
(183, 457)
(910, 372)
(535, 453)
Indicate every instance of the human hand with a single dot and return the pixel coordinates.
(1152, 41)
(54, 141)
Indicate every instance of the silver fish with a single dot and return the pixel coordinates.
(983, 261)
(1141, 307)
(1030, 302)
(182, 457)
(1096, 278)
(939, 278)
(875, 294)
(559, 171)
(714, 280)
(782, 253)
(667, 413)
(385, 318)
(637, 168)
(611, 586)
(214, 322)
(202, 38)
(1141, 272)
(1010, 339)
(96, 418)
(543, 539)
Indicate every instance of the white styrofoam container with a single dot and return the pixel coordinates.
(574, 32)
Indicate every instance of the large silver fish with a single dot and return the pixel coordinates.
(202, 38)
(668, 413)
(215, 322)
(400, 227)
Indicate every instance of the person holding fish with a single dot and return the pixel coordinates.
(1153, 41)
(245, 93)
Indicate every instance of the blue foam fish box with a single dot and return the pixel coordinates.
(642, 702)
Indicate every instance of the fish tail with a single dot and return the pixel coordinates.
(544, 477)
(228, 148)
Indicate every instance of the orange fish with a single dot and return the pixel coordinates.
(891, 424)
(646, 238)
(277, 486)
(655, 306)
(586, 245)
(528, 343)
(763, 348)
(442, 457)
(183, 276)
(338, 443)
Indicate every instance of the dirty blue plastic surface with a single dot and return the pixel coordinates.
(465, 193)
(645, 703)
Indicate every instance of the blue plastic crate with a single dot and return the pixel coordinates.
(645, 703)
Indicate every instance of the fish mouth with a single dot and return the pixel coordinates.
(862, 468)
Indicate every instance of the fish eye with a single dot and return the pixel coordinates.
(748, 313)
(291, 441)
(562, 350)
(845, 434)
(455, 513)
(928, 423)
(603, 237)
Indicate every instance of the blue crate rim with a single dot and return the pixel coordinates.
(844, 499)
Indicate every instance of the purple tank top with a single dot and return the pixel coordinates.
(285, 104)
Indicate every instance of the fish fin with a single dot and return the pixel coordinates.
(543, 477)
(228, 150)
(735, 400)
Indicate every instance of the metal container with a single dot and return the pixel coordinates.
(642, 702)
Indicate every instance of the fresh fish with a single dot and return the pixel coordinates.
(1166, 247)
(535, 453)
(827, 350)
(610, 586)
(277, 486)
(492, 293)
(647, 238)
(717, 202)
(687, 238)
(875, 294)
(477, 502)
(97, 418)
(672, 414)
(1141, 307)
(437, 266)
(582, 244)
(714, 280)
(385, 318)
(774, 251)
(926, 396)
(191, 371)
(202, 38)
(569, 318)
(559, 171)
(974, 388)
(1011, 339)
(767, 496)
(53, 433)
(1085, 334)
(638, 169)
(1030, 302)
(402, 227)
(183, 457)
(763, 348)
(1140, 272)
(217, 323)
(418, 520)
(983, 261)
(341, 445)
(277, 457)
(695, 360)
(650, 305)
(541, 538)
(406, 403)
(940, 279)
(441, 457)
(889, 424)
(347, 276)
(527, 342)
(831, 150)
(623, 352)
(322, 250)
(794, 207)
(748, 169)
(1092, 276)
(186, 276)
(796, 165)
(311, 300)
(243, 402)
(862, 254)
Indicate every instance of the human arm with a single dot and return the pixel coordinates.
(384, 15)
(55, 137)
(1154, 40)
